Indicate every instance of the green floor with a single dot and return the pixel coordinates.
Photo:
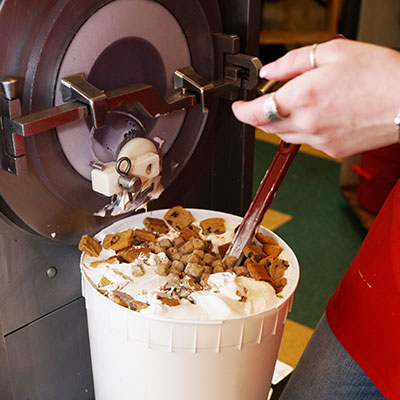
(324, 233)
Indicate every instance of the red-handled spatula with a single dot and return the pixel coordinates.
(263, 199)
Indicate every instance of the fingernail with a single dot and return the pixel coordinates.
(339, 36)
(266, 70)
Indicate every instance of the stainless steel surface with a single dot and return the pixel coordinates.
(49, 358)
(5, 377)
(26, 292)
(130, 183)
(98, 103)
(240, 71)
(51, 272)
(9, 87)
(117, 55)
(250, 66)
(42, 46)
(43, 347)
(38, 277)
(144, 97)
(76, 87)
(50, 118)
(12, 148)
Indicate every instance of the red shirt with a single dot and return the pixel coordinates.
(364, 312)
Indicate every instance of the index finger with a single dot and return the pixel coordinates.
(297, 61)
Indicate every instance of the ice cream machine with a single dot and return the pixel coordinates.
(106, 106)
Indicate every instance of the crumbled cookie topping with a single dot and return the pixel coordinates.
(178, 218)
(213, 225)
(119, 241)
(156, 225)
(89, 246)
(186, 258)
(128, 301)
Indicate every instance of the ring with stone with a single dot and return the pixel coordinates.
(270, 108)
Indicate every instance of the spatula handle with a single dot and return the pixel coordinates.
(263, 198)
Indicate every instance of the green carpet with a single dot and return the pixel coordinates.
(324, 233)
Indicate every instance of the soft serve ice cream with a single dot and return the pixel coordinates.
(174, 266)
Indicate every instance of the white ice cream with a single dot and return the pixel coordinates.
(223, 300)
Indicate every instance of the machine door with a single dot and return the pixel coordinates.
(114, 43)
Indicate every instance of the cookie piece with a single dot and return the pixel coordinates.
(119, 241)
(264, 239)
(254, 253)
(163, 269)
(241, 271)
(276, 268)
(104, 282)
(223, 248)
(272, 250)
(178, 217)
(230, 261)
(144, 236)
(258, 272)
(169, 301)
(209, 258)
(213, 225)
(194, 269)
(110, 240)
(279, 284)
(110, 260)
(187, 233)
(156, 225)
(131, 253)
(89, 246)
(127, 301)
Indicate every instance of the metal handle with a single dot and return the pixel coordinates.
(50, 118)
(92, 101)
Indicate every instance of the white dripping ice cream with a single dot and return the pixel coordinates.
(222, 300)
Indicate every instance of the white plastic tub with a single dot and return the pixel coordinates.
(141, 357)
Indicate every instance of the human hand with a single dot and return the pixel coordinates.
(345, 105)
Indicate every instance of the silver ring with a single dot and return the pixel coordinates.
(312, 55)
(270, 109)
